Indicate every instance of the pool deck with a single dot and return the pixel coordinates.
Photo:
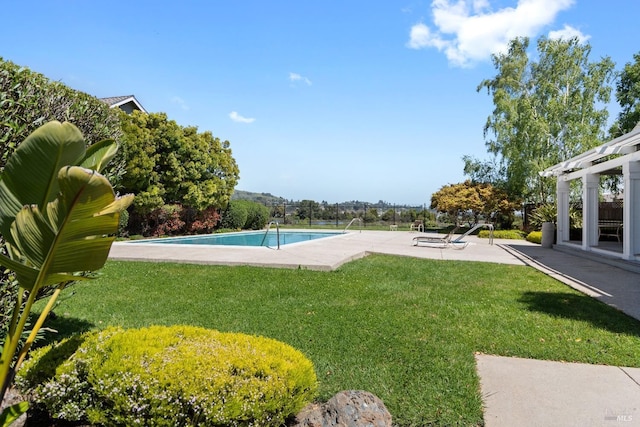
(322, 254)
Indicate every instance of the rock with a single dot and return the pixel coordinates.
(350, 408)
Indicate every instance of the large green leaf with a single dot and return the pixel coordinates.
(72, 235)
(12, 413)
(99, 155)
(30, 173)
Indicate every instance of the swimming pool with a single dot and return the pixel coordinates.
(249, 238)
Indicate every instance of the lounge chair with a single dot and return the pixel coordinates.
(447, 241)
(442, 242)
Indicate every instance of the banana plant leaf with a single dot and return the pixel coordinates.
(30, 175)
(99, 155)
(73, 234)
(12, 413)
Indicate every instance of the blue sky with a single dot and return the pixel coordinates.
(329, 100)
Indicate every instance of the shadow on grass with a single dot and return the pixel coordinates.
(583, 308)
(60, 327)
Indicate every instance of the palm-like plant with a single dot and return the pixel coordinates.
(58, 218)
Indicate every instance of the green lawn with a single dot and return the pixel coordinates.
(404, 329)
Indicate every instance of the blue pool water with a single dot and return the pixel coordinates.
(252, 238)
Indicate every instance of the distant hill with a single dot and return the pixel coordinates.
(269, 199)
(263, 198)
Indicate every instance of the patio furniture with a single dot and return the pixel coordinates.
(610, 228)
(440, 241)
(417, 226)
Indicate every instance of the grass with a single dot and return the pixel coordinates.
(404, 329)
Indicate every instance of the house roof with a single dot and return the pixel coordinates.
(118, 101)
(623, 145)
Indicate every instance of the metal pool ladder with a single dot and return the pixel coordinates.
(352, 221)
(267, 232)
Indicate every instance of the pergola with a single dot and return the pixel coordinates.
(618, 156)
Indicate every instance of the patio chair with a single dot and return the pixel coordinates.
(445, 241)
(417, 226)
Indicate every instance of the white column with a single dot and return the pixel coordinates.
(590, 190)
(562, 196)
(631, 210)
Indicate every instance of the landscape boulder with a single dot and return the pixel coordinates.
(351, 408)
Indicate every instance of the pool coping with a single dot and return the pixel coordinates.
(324, 254)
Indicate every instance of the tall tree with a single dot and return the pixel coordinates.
(467, 201)
(628, 96)
(169, 164)
(545, 111)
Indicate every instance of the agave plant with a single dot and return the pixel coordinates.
(58, 218)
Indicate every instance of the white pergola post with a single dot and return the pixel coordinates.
(631, 210)
(562, 195)
(590, 190)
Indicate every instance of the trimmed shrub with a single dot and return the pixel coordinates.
(502, 234)
(29, 99)
(170, 376)
(535, 237)
(235, 216)
(257, 216)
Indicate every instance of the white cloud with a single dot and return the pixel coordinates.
(468, 31)
(295, 77)
(239, 119)
(181, 102)
(567, 33)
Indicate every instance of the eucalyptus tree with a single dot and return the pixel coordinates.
(545, 110)
(628, 96)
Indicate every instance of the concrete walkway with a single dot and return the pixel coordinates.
(516, 392)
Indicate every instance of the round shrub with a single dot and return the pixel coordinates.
(235, 216)
(535, 237)
(170, 376)
(257, 216)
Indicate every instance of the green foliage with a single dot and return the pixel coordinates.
(467, 201)
(543, 213)
(257, 216)
(12, 413)
(535, 237)
(548, 213)
(169, 164)
(371, 215)
(28, 100)
(628, 96)
(58, 218)
(171, 376)
(307, 209)
(235, 216)
(546, 111)
(123, 223)
(245, 214)
(266, 199)
(502, 234)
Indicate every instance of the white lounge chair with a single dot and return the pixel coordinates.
(447, 241)
(435, 241)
